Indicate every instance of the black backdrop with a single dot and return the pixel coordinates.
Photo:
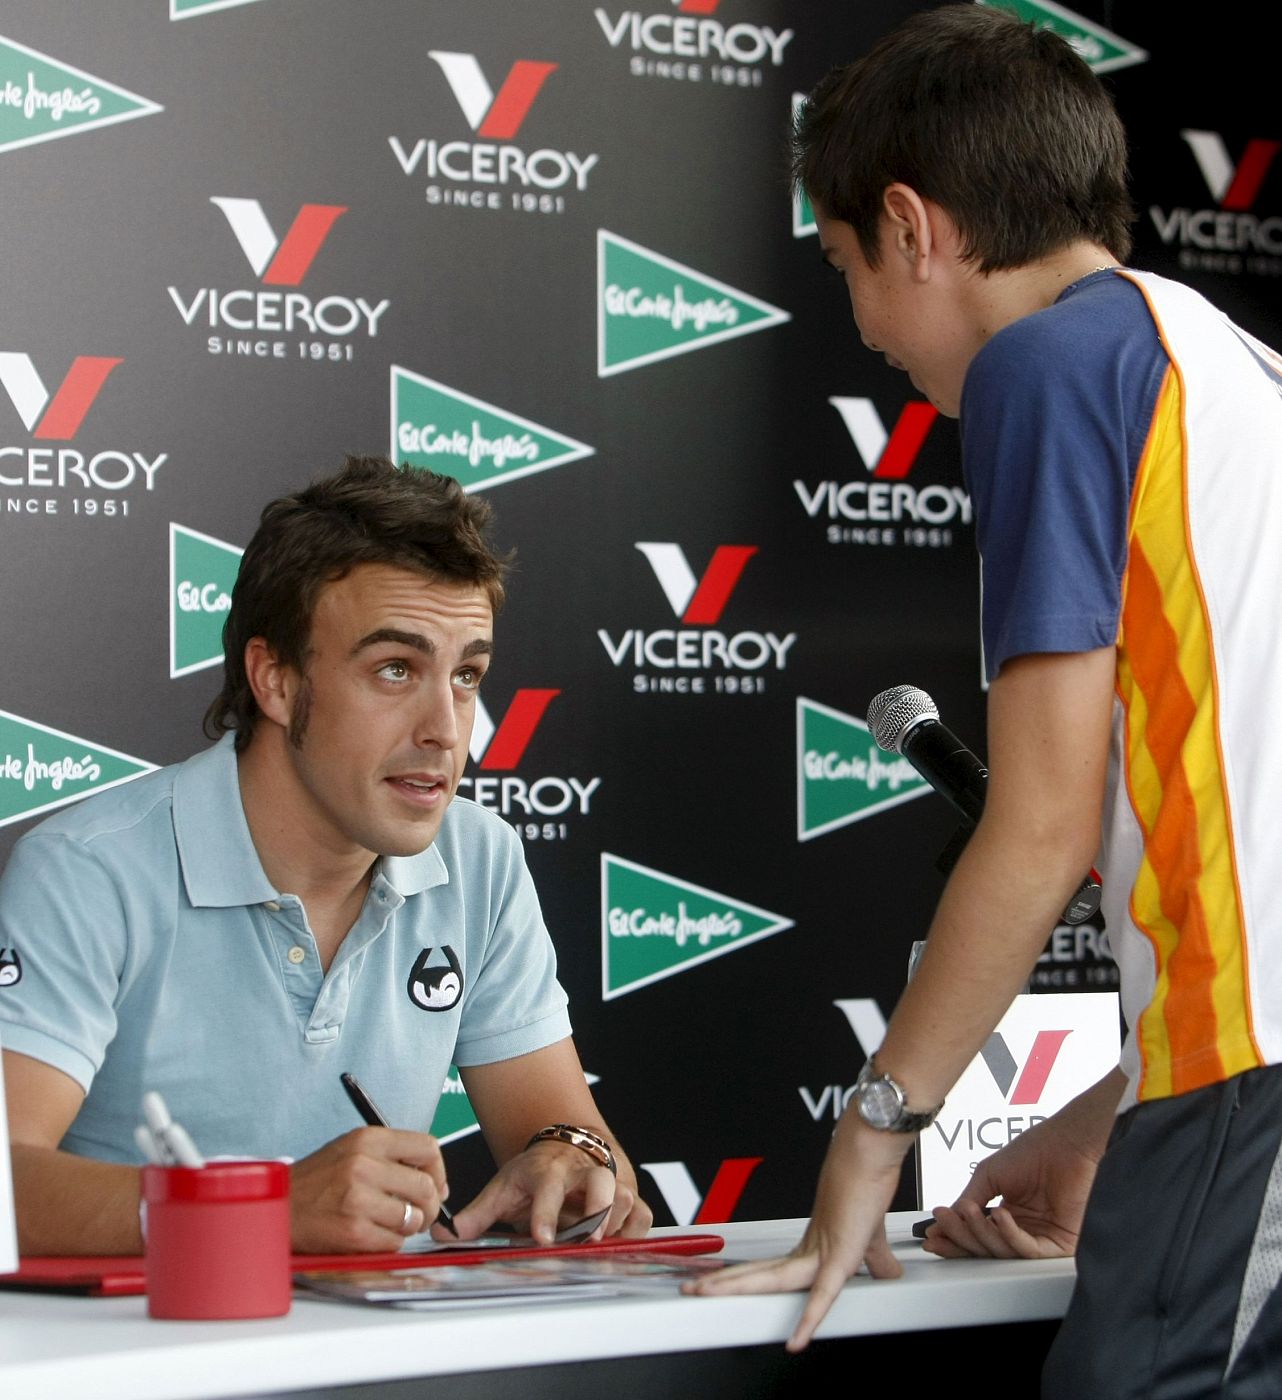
(661, 129)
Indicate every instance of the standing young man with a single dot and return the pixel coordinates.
(303, 899)
(1121, 442)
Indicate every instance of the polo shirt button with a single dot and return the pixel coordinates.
(296, 954)
(272, 905)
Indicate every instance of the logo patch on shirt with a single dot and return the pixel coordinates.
(10, 967)
(435, 988)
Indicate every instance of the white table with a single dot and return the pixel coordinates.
(60, 1348)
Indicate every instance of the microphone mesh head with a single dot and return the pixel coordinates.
(896, 711)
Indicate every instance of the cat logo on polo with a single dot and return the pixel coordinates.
(450, 432)
(10, 967)
(842, 775)
(655, 926)
(650, 307)
(433, 987)
(42, 98)
(1101, 49)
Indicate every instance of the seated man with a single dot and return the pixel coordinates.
(304, 899)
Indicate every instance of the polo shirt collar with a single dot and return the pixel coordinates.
(220, 864)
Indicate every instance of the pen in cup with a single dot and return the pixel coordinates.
(365, 1107)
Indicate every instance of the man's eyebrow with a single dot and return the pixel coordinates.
(480, 646)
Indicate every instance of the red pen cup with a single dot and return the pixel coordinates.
(216, 1240)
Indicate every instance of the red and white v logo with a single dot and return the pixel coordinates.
(502, 747)
(698, 603)
(698, 7)
(1037, 1067)
(681, 1195)
(1235, 188)
(61, 419)
(888, 456)
(496, 118)
(294, 253)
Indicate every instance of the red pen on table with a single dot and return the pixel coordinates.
(365, 1107)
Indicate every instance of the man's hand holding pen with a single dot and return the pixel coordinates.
(366, 1191)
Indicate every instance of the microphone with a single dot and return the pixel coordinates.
(905, 720)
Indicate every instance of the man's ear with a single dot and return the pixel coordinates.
(911, 233)
(273, 682)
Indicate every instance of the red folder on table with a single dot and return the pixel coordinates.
(113, 1275)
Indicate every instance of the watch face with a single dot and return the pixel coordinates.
(879, 1104)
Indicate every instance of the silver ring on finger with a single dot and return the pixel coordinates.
(407, 1219)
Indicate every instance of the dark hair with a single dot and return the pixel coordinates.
(1000, 124)
(369, 512)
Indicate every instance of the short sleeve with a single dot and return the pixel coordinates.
(62, 935)
(1055, 412)
(516, 1005)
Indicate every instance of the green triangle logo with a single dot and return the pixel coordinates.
(43, 768)
(184, 9)
(202, 573)
(842, 775)
(651, 308)
(446, 431)
(42, 99)
(454, 1116)
(1100, 48)
(654, 926)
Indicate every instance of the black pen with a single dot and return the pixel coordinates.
(365, 1107)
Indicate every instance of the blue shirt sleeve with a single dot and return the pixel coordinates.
(1055, 413)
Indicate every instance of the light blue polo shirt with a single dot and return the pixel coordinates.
(155, 954)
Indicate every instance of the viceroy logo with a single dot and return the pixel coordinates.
(690, 45)
(683, 1198)
(884, 508)
(57, 416)
(1231, 237)
(538, 807)
(253, 321)
(495, 117)
(279, 262)
(1023, 1084)
(697, 657)
(868, 1024)
(493, 173)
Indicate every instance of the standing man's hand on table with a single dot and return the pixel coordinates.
(1043, 1177)
(847, 1228)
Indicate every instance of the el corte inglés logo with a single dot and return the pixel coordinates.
(650, 308)
(42, 99)
(447, 431)
(1101, 50)
(654, 925)
(842, 775)
(185, 9)
(43, 768)
(202, 573)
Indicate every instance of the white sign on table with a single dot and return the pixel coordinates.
(1047, 1049)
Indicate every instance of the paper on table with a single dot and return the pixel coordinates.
(510, 1281)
